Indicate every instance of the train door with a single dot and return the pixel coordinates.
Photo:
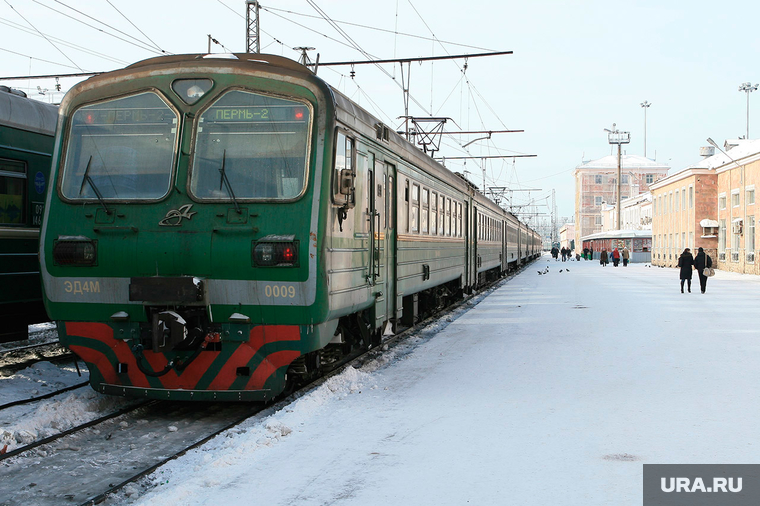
(474, 239)
(382, 232)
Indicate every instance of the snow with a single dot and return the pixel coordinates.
(552, 389)
(24, 424)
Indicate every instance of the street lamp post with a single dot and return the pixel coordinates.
(748, 88)
(645, 105)
(615, 136)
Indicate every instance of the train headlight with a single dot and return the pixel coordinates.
(75, 251)
(275, 254)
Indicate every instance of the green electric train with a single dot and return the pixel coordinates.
(27, 134)
(222, 227)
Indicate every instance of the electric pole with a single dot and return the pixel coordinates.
(252, 38)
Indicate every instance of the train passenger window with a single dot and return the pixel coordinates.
(425, 210)
(12, 192)
(434, 213)
(441, 214)
(405, 207)
(453, 223)
(460, 220)
(254, 146)
(415, 207)
(121, 149)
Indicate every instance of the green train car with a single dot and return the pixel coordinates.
(225, 226)
(27, 134)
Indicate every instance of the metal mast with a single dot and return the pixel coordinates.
(252, 38)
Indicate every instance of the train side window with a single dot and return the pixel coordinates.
(12, 192)
(344, 160)
(425, 210)
(415, 208)
(389, 202)
(453, 222)
(441, 214)
(405, 206)
(460, 220)
(433, 213)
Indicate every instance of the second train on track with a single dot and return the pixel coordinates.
(222, 228)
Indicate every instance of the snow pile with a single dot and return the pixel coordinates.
(24, 424)
(203, 468)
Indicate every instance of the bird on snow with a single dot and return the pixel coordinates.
(560, 270)
(567, 270)
(539, 273)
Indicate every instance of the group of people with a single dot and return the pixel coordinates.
(614, 256)
(565, 252)
(687, 263)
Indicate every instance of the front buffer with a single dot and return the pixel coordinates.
(239, 363)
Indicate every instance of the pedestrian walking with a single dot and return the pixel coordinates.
(701, 262)
(626, 255)
(603, 258)
(615, 257)
(585, 253)
(591, 253)
(686, 263)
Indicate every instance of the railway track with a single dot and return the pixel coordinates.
(89, 463)
(17, 359)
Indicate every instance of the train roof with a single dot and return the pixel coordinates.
(19, 111)
(348, 112)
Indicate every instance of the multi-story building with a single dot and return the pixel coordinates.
(596, 184)
(567, 236)
(637, 214)
(738, 174)
(682, 204)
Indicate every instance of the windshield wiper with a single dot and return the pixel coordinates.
(224, 180)
(88, 179)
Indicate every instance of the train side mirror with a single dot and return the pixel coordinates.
(347, 187)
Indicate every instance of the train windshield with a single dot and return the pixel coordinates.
(251, 146)
(121, 149)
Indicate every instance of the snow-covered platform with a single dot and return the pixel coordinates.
(554, 389)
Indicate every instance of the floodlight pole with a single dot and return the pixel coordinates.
(615, 136)
(748, 88)
(645, 105)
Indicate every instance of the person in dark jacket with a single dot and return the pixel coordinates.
(603, 258)
(686, 263)
(701, 261)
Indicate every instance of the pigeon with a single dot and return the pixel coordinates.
(567, 270)
(561, 270)
(539, 273)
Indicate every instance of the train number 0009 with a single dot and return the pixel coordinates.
(280, 291)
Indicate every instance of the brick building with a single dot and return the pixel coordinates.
(682, 204)
(596, 184)
(738, 175)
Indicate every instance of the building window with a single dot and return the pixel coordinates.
(678, 200)
(597, 220)
(735, 244)
(750, 196)
(691, 197)
(597, 179)
(654, 206)
(735, 198)
(722, 202)
(691, 240)
(722, 240)
(597, 201)
(650, 178)
(749, 238)
(625, 179)
(683, 198)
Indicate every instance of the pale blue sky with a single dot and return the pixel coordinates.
(577, 67)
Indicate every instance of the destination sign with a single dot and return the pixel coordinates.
(123, 116)
(256, 113)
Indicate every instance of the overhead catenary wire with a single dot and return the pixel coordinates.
(140, 45)
(62, 42)
(136, 27)
(51, 42)
(38, 59)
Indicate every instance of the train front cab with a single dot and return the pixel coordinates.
(181, 249)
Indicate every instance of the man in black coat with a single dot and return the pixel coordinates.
(701, 261)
